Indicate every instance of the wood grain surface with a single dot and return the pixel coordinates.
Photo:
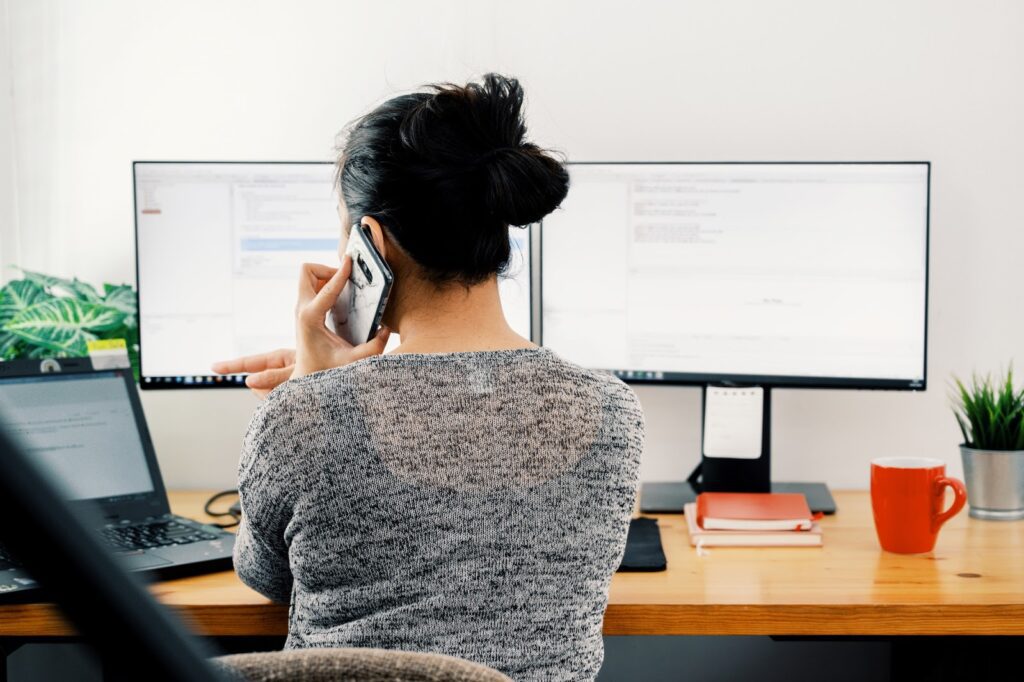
(973, 583)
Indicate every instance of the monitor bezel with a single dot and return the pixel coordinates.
(768, 381)
(154, 382)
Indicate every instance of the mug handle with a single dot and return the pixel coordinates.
(960, 498)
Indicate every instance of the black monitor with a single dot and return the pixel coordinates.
(746, 275)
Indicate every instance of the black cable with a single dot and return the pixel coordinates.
(234, 511)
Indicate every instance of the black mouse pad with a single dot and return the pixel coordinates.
(643, 547)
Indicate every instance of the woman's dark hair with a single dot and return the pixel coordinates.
(446, 172)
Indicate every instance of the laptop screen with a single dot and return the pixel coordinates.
(81, 429)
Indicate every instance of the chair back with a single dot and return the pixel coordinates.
(353, 665)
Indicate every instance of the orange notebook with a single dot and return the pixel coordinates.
(747, 538)
(754, 511)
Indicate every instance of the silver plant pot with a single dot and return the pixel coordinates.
(995, 483)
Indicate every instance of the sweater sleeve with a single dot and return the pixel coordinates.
(261, 544)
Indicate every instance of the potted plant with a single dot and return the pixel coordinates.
(43, 316)
(991, 418)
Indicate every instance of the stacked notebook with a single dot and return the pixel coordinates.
(752, 520)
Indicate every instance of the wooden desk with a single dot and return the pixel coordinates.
(972, 584)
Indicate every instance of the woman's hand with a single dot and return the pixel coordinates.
(267, 370)
(319, 348)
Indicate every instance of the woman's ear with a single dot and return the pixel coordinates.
(376, 234)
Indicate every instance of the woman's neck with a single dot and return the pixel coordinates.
(453, 319)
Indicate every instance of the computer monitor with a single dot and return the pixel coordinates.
(219, 246)
(766, 274)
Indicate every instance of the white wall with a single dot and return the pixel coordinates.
(8, 211)
(99, 84)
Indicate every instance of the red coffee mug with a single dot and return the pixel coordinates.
(906, 497)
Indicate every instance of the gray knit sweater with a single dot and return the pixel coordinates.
(472, 504)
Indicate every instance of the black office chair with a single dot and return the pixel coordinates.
(134, 637)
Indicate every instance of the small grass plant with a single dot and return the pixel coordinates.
(990, 413)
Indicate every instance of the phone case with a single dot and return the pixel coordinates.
(357, 312)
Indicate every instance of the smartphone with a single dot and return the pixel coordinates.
(357, 313)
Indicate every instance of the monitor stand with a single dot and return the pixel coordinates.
(728, 474)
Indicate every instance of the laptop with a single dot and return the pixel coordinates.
(132, 635)
(85, 430)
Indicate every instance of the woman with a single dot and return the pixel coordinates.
(467, 493)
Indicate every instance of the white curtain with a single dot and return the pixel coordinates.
(30, 140)
(8, 210)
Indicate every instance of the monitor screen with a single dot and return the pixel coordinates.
(81, 430)
(219, 250)
(772, 273)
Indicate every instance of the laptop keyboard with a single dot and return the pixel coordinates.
(143, 536)
(150, 535)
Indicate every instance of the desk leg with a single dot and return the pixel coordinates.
(6, 649)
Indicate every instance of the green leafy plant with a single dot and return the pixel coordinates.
(43, 316)
(990, 413)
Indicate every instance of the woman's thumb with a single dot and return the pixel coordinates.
(374, 346)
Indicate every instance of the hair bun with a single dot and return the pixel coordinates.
(524, 184)
(479, 129)
(447, 171)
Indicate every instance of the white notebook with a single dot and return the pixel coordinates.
(743, 538)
